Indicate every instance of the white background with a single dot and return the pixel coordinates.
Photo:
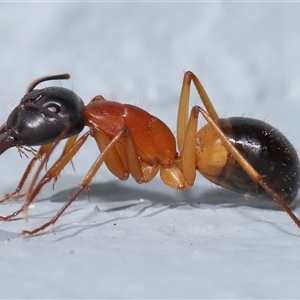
(149, 241)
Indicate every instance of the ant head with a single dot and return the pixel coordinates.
(42, 116)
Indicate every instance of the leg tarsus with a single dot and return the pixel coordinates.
(35, 231)
(37, 156)
(11, 216)
(56, 217)
(13, 196)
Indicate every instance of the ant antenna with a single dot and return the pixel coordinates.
(46, 78)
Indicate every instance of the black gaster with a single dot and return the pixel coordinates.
(268, 151)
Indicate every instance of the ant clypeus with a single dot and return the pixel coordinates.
(242, 154)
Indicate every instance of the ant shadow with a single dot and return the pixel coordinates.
(117, 196)
(160, 195)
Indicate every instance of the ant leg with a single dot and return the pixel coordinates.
(188, 151)
(54, 171)
(247, 166)
(11, 216)
(15, 195)
(182, 175)
(70, 142)
(43, 149)
(183, 107)
(187, 156)
(86, 181)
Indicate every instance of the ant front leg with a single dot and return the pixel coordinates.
(55, 170)
(53, 173)
(137, 169)
(59, 165)
(15, 195)
(38, 156)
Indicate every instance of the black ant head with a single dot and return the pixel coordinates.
(42, 116)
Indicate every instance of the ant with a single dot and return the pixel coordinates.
(242, 154)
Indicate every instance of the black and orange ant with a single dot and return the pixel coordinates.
(242, 154)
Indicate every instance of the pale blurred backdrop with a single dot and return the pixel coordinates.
(148, 241)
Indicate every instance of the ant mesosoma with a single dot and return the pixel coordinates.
(241, 154)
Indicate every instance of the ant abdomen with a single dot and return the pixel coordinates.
(262, 145)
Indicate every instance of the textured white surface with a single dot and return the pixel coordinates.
(148, 241)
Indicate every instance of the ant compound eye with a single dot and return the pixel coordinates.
(53, 107)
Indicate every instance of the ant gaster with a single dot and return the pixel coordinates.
(242, 154)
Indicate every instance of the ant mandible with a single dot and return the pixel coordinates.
(242, 154)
